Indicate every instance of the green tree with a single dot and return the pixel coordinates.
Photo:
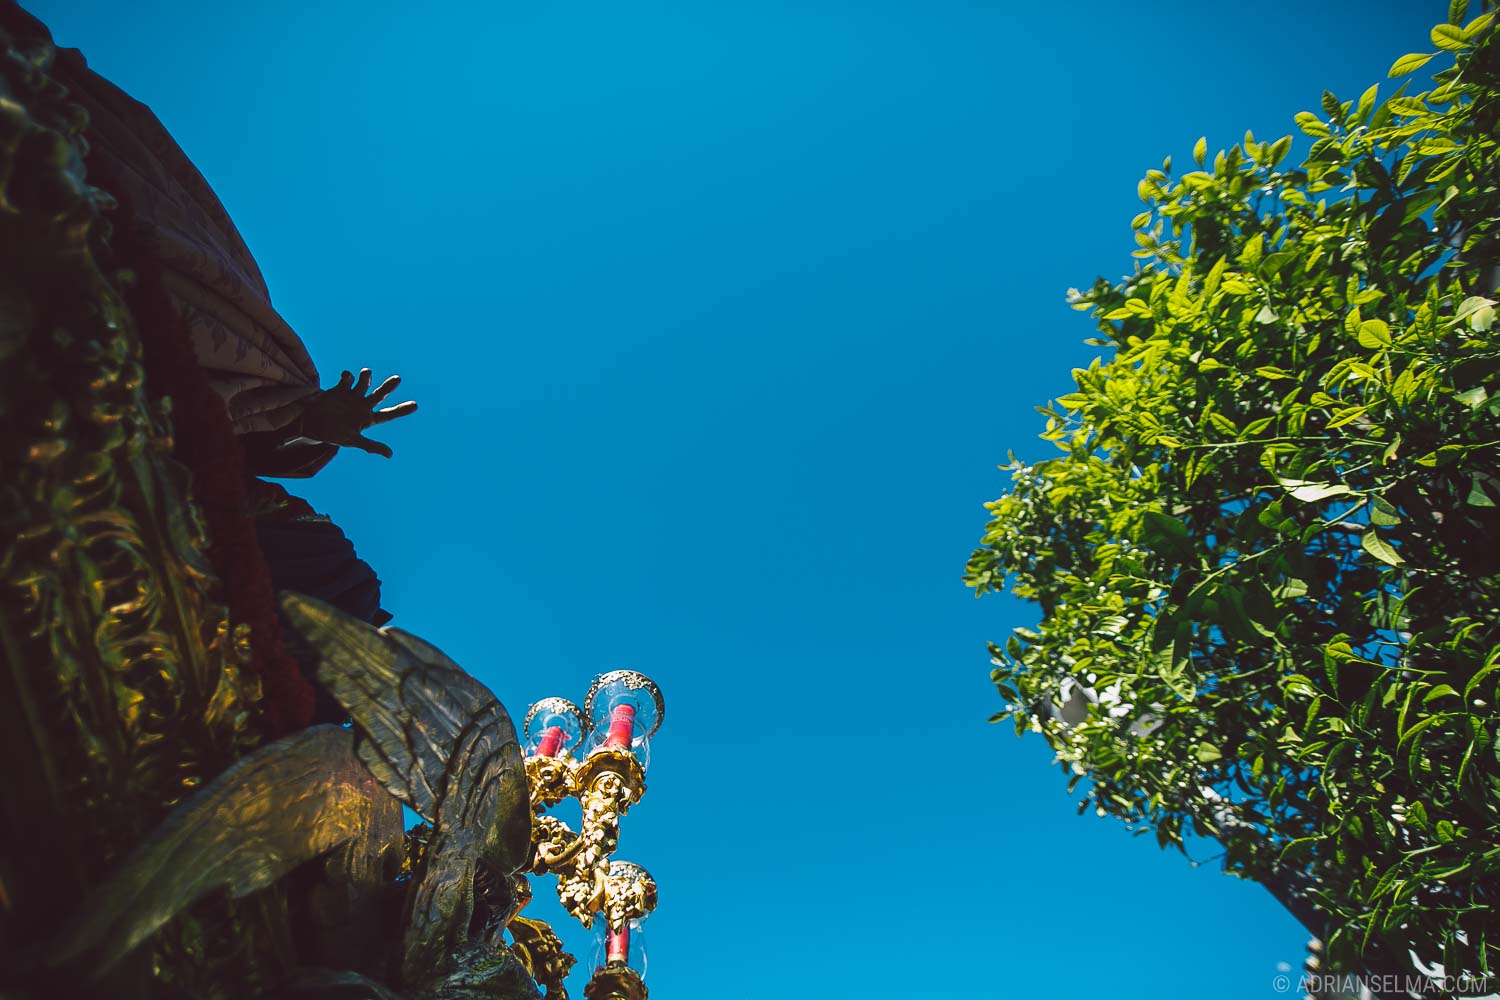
(1268, 556)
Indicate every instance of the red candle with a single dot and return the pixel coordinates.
(621, 726)
(619, 945)
(551, 741)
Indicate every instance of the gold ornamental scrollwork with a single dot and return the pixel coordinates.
(541, 951)
(552, 780)
(607, 782)
(615, 982)
(629, 893)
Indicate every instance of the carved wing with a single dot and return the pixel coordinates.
(409, 699)
(286, 803)
(434, 736)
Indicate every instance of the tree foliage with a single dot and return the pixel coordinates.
(1268, 557)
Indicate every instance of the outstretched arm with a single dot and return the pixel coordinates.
(341, 414)
(336, 417)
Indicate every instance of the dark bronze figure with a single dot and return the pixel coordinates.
(169, 824)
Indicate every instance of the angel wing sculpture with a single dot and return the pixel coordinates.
(439, 741)
(424, 732)
(288, 802)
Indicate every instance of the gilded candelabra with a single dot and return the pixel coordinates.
(597, 755)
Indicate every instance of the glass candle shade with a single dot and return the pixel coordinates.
(624, 709)
(553, 727)
(627, 946)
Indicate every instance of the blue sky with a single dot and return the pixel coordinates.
(721, 316)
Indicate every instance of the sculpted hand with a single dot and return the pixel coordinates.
(339, 415)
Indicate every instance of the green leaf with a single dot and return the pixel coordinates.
(1473, 398)
(1441, 691)
(1313, 492)
(1311, 124)
(1456, 11)
(1380, 548)
(1446, 455)
(1478, 26)
(1490, 666)
(1346, 416)
(1477, 496)
(1271, 372)
(1161, 531)
(1174, 666)
(1418, 203)
(1434, 147)
(1214, 276)
(1449, 37)
(1383, 512)
(1331, 106)
(1208, 752)
(1238, 617)
(1480, 312)
(1426, 722)
(1374, 333)
(1223, 424)
(1200, 149)
(1469, 306)
(1407, 106)
(1405, 387)
(1391, 450)
(1299, 686)
(1410, 62)
(1292, 588)
(1254, 249)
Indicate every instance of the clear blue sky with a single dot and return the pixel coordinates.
(721, 316)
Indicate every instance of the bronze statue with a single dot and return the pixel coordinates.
(172, 825)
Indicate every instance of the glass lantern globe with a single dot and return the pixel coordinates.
(553, 727)
(624, 709)
(624, 947)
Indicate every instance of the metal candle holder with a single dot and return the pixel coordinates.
(597, 755)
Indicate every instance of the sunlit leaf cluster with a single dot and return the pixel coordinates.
(1267, 556)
